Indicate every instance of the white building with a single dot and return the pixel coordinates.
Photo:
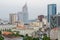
(6, 26)
(12, 18)
(24, 31)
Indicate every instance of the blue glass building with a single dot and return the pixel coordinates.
(25, 13)
(23, 16)
(51, 10)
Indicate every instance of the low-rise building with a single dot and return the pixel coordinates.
(54, 34)
(6, 26)
(24, 31)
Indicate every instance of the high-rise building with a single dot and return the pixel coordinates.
(51, 10)
(20, 16)
(55, 21)
(12, 18)
(25, 13)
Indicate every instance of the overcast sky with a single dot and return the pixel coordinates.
(35, 7)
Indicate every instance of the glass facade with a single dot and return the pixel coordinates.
(51, 10)
(25, 13)
(23, 16)
(20, 16)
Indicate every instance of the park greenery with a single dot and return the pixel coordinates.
(31, 38)
(45, 37)
(1, 37)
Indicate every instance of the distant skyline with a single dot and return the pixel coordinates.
(35, 7)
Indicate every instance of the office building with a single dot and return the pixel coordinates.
(12, 18)
(55, 21)
(20, 16)
(25, 13)
(51, 10)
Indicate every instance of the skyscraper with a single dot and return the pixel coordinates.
(51, 10)
(12, 18)
(25, 13)
(20, 16)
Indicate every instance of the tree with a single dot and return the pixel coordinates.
(17, 33)
(35, 38)
(1, 38)
(0, 32)
(46, 38)
(27, 37)
(21, 35)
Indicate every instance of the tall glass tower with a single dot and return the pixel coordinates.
(25, 13)
(51, 10)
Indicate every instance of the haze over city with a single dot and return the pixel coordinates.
(35, 7)
(29, 19)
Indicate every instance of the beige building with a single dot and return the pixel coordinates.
(40, 24)
(12, 18)
(36, 24)
(54, 34)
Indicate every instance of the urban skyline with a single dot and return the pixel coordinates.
(30, 20)
(34, 7)
(23, 15)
